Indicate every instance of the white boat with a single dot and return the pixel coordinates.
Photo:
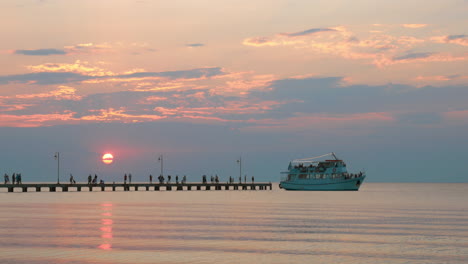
(327, 175)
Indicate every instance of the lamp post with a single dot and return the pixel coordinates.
(57, 157)
(240, 166)
(160, 159)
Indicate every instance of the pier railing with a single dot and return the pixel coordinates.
(78, 187)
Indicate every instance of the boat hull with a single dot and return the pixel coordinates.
(330, 185)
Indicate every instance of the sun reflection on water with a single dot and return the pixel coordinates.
(106, 226)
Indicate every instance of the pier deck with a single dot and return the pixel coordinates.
(65, 187)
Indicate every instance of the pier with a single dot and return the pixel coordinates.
(78, 187)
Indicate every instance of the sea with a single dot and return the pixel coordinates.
(380, 223)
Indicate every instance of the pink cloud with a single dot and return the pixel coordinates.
(440, 77)
(457, 117)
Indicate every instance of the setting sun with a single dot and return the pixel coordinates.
(107, 158)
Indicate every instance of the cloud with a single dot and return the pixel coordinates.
(307, 32)
(194, 45)
(80, 67)
(414, 25)
(260, 101)
(420, 57)
(440, 77)
(375, 48)
(410, 56)
(61, 74)
(62, 93)
(284, 38)
(91, 48)
(452, 39)
(41, 52)
(44, 78)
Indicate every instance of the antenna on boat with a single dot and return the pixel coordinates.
(333, 154)
(311, 160)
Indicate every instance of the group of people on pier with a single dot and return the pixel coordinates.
(215, 179)
(15, 178)
(93, 181)
(169, 177)
(129, 177)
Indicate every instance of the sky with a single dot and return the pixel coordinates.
(383, 84)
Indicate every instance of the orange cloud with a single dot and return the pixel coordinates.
(414, 25)
(452, 39)
(81, 67)
(35, 120)
(111, 114)
(62, 93)
(419, 57)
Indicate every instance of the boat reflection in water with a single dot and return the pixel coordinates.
(326, 175)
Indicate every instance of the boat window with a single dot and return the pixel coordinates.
(290, 177)
(302, 176)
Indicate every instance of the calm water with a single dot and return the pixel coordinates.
(382, 223)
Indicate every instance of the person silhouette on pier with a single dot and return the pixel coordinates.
(184, 179)
(18, 179)
(151, 178)
(168, 179)
(72, 180)
(204, 179)
(89, 179)
(177, 179)
(253, 179)
(240, 179)
(7, 180)
(245, 179)
(13, 178)
(125, 178)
